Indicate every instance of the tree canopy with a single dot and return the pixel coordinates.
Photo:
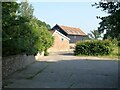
(94, 34)
(21, 31)
(110, 23)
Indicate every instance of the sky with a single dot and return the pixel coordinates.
(75, 14)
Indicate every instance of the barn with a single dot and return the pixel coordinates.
(61, 42)
(74, 34)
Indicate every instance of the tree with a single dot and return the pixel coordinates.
(40, 23)
(10, 22)
(94, 34)
(17, 33)
(21, 32)
(26, 10)
(42, 38)
(110, 23)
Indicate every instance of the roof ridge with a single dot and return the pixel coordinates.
(72, 30)
(69, 26)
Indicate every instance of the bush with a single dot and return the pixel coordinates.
(46, 53)
(94, 48)
(115, 41)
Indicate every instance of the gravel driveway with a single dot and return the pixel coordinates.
(63, 70)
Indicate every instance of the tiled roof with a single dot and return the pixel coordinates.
(72, 30)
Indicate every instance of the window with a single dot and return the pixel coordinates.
(62, 39)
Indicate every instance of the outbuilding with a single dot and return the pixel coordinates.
(61, 42)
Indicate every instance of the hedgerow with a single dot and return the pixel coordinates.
(93, 48)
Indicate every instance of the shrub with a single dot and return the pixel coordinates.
(115, 41)
(94, 47)
(46, 53)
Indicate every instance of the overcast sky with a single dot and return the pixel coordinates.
(76, 14)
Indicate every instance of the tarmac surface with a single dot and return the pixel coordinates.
(63, 70)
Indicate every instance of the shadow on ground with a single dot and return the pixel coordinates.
(66, 73)
(67, 54)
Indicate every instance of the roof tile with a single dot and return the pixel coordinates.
(72, 30)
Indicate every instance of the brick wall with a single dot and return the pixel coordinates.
(60, 44)
(13, 63)
(72, 45)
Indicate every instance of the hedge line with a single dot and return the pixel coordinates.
(94, 47)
